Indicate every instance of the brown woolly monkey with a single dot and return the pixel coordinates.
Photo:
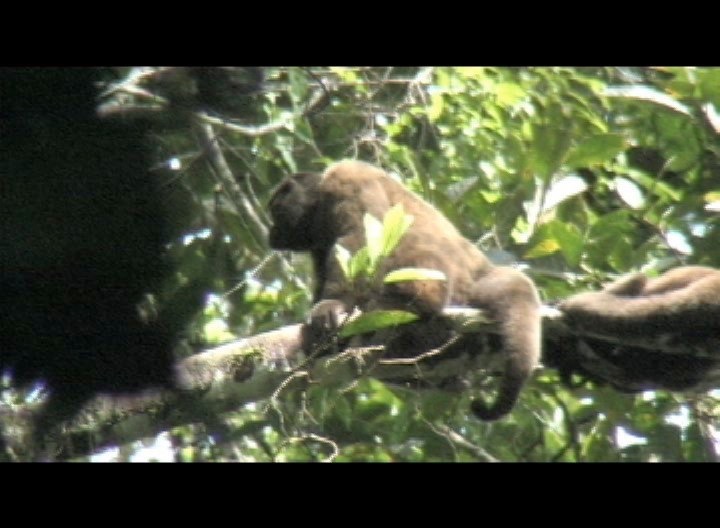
(685, 301)
(313, 212)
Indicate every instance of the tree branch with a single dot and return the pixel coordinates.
(256, 368)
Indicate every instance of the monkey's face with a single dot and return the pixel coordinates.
(293, 209)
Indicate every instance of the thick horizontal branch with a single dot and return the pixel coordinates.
(261, 367)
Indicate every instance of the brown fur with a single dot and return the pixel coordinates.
(313, 212)
(685, 300)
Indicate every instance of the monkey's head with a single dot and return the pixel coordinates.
(295, 206)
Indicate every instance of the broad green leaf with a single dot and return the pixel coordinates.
(710, 85)
(571, 242)
(373, 237)
(596, 150)
(436, 107)
(373, 321)
(542, 249)
(646, 93)
(554, 236)
(562, 189)
(359, 264)
(411, 274)
(629, 192)
(343, 256)
(550, 145)
(471, 72)
(679, 142)
(713, 116)
(347, 75)
(508, 94)
(298, 86)
(395, 224)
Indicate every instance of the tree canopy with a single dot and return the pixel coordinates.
(578, 175)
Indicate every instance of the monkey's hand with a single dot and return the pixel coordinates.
(328, 314)
(320, 332)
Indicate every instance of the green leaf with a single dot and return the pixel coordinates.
(359, 264)
(646, 93)
(508, 94)
(596, 150)
(343, 257)
(629, 192)
(395, 225)
(653, 184)
(411, 274)
(709, 85)
(542, 249)
(298, 86)
(347, 75)
(554, 236)
(563, 189)
(373, 237)
(550, 145)
(437, 104)
(373, 321)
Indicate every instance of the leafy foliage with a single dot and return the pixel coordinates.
(362, 269)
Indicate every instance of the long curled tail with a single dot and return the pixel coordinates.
(508, 394)
(518, 312)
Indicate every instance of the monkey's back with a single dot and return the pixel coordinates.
(432, 241)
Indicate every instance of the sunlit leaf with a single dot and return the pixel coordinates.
(646, 93)
(373, 237)
(343, 257)
(377, 320)
(556, 235)
(395, 225)
(348, 75)
(543, 248)
(629, 192)
(678, 241)
(562, 189)
(436, 107)
(359, 264)
(713, 116)
(411, 274)
(508, 93)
